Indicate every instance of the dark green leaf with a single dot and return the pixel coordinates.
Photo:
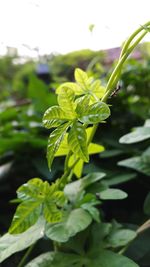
(107, 258)
(76, 221)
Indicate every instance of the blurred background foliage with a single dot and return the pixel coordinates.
(27, 89)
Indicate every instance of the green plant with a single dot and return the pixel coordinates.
(68, 211)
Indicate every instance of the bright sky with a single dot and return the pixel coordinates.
(63, 25)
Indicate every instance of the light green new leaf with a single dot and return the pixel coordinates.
(10, 244)
(76, 221)
(63, 148)
(54, 116)
(77, 140)
(31, 190)
(95, 113)
(27, 213)
(82, 104)
(56, 259)
(139, 134)
(54, 142)
(72, 86)
(120, 237)
(66, 102)
(95, 148)
(111, 193)
(106, 258)
(81, 77)
(51, 213)
(73, 189)
(136, 163)
(78, 167)
(98, 89)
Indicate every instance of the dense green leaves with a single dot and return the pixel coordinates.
(104, 258)
(74, 189)
(9, 244)
(37, 197)
(76, 221)
(77, 140)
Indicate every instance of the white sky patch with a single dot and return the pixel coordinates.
(63, 25)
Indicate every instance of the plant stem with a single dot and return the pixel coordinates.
(130, 39)
(24, 258)
(117, 71)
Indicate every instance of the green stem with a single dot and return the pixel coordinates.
(130, 39)
(117, 71)
(24, 258)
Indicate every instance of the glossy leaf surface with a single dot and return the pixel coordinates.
(9, 244)
(77, 140)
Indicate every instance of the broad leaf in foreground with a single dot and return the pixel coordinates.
(25, 216)
(76, 221)
(56, 259)
(104, 258)
(9, 244)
